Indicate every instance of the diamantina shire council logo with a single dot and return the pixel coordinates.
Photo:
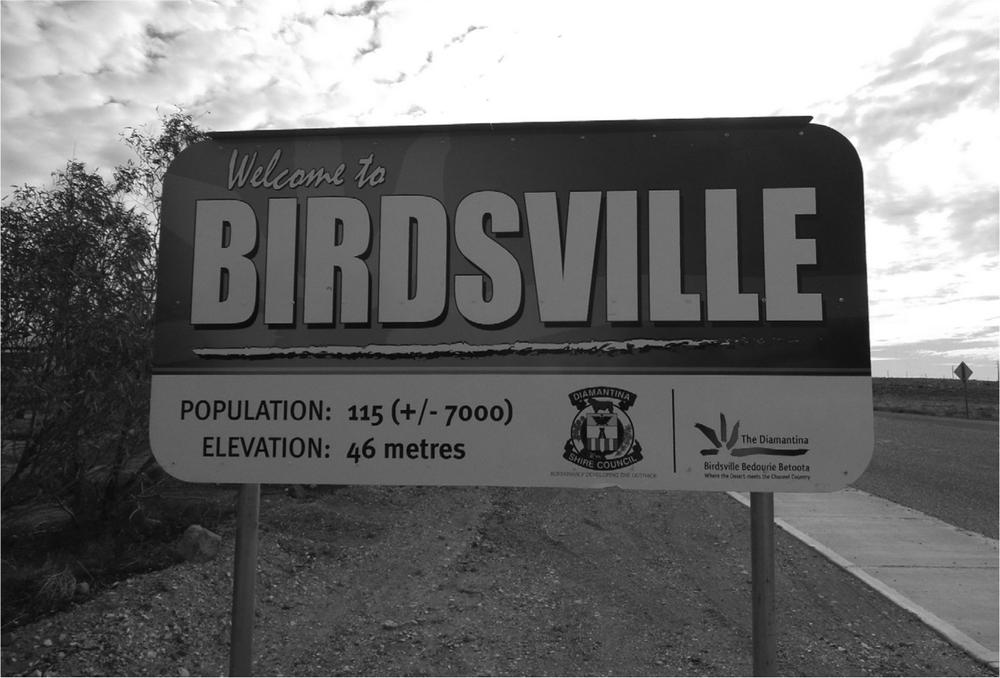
(602, 437)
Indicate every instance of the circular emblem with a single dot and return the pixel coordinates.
(602, 436)
(602, 430)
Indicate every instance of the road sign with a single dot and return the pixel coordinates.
(648, 304)
(963, 372)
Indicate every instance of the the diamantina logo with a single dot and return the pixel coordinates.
(776, 445)
(602, 436)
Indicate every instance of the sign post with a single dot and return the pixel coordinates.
(410, 305)
(762, 583)
(244, 581)
(963, 372)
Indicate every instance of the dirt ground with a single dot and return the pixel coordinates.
(489, 581)
(937, 397)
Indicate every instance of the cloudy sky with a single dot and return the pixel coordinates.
(913, 84)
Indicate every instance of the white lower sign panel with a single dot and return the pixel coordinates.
(691, 432)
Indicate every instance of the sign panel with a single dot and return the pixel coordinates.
(963, 371)
(648, 304)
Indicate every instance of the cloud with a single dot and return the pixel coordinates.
(926, 127)
(951, 63)
(266, 65)
(915, 90)
(979, 347)
(46, 39)
(334, 63)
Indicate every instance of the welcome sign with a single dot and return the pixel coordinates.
(647, 304)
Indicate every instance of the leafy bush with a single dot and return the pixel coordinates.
(78, 277)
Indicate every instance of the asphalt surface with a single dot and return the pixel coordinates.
(947, 468)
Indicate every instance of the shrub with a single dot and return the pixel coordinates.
(78, 277)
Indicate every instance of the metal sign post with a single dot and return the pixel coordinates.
(762, 577)
(244, 578)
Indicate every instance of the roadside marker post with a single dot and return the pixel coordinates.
(645, 304)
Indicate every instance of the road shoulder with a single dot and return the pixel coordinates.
(946, 576)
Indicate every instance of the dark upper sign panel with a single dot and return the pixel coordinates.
(701, 245)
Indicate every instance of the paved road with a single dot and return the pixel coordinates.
(944, 467)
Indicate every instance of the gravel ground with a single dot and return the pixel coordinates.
(474, 581)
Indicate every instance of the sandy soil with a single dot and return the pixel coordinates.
(490, 581)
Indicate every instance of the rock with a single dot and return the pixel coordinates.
(198, 544)
(389, 625)
(82, 588)
(183, 672)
